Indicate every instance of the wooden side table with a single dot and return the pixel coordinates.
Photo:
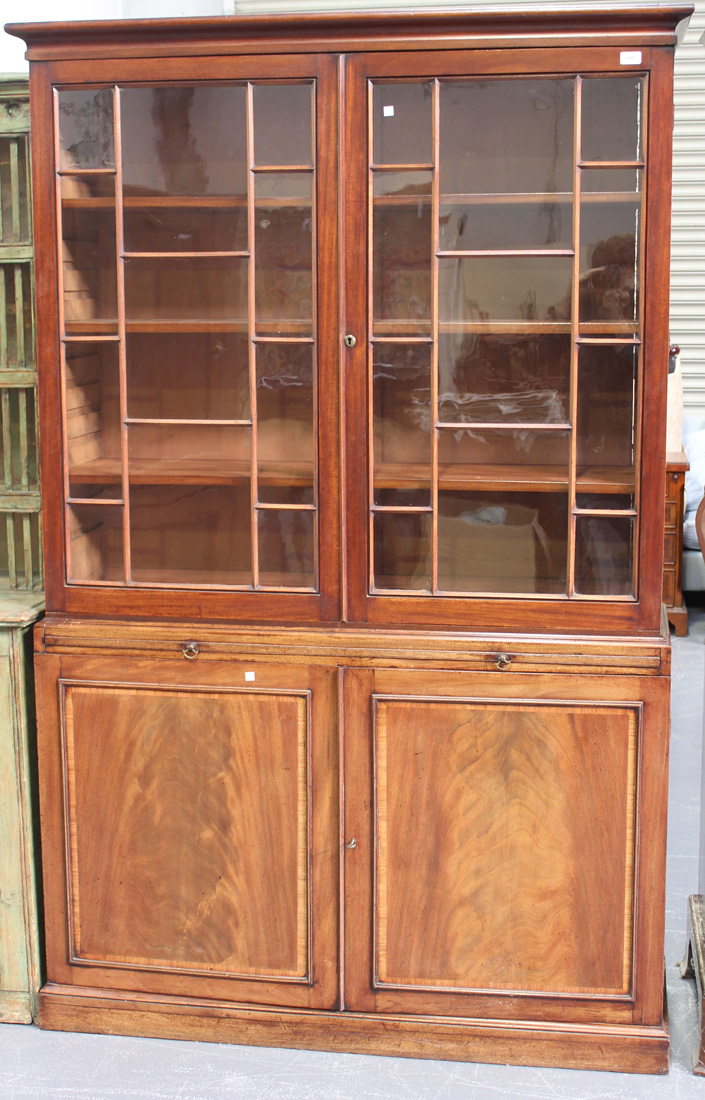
(19, 926)
(676, 468)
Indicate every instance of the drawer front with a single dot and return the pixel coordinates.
(671, 517)
(669, 587)
(670, 543)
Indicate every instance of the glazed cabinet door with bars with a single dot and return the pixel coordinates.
(504, 213)
(192, 236)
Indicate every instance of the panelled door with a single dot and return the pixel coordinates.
(493, 864)
(186, 799)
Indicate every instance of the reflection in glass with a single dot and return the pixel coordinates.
(402, 423)
(402, 188)
(89, 267)
(506, 137)
(488, 378)
(283, 124)
(503, 455)
(188, 376)
(190, 533)
(285, 423)
(604, 556)
(609, 238)
(402, 551)
(611, 118)
(190, 229)
(615, 502)
(199, 288)
(605, 433)
(402, 249)
(86, 129)
(95, 536)
(188, 454)
(286, 548)
(402, 123)
(283, 252)
(502, 542)
(516, 224)
(184, 140)
(616, 182)
(504, 288)
(93, 421)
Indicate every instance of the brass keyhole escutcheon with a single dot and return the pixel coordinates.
(191, 650)
(349, 340)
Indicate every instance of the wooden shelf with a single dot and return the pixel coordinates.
(179, 202)
(503, 478)
(179, 471)
(101, 327)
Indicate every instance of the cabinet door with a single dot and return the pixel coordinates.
(181, 804)
(507, 853)
(507, 348)
(197, 225)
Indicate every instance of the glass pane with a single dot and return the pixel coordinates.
(193, 289)
(403, 551)
(188, 376)
(609, 239)
(190, 533)
(189, 454)
(86, 129)
(285, 423)
(283, 124)
(15, 223)
(93, 422)
(402, 188)
(616, 502)
(604, 556)
(402, 263)
(613, 183)
(487, 378)
(187, 143)
(496, 458)
(504, 288)
(95, 551)
(402, 424)
(89, 269)
(547, 223)
(506, 137)
(611, 118)
(284, 253)
(286, 548)
(502, 542)
(607, 379)
(402, 123)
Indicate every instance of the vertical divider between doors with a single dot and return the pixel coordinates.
(574, 334)
(122, 331)
(435, 231)
(355, 247)
(251, 319)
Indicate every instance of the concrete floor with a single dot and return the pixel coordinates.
(36, 1065)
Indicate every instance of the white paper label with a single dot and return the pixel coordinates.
(249, 676)
(630, 57)
(388, 112)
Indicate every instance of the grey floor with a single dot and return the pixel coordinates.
(37, 1065)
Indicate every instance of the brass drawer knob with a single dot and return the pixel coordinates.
(191, 650)
(503, 661)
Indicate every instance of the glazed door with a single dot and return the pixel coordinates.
(493, 866)
(502, 355)
(181, 807)
(197, 224)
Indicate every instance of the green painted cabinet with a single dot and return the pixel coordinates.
(19, 935)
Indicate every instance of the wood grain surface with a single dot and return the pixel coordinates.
(188, 825)
(498, 827)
